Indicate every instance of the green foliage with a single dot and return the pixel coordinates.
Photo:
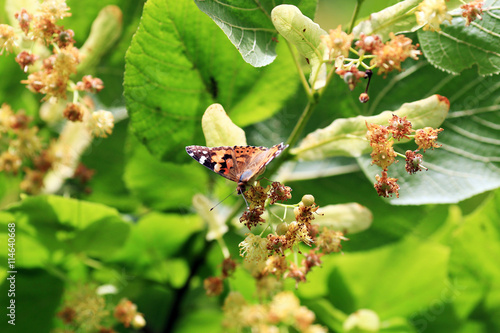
(426, 261)
(476, 45)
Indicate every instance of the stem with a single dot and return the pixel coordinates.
(304, 118)
(355, 15)
(302, 76)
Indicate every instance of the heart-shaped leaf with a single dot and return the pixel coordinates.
(179, 63)
(248, 25)
(457, 46)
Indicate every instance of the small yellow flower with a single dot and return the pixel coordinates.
(102, 123)
(254, 248)
(284, 305)
(337, 43)
(10, 163)
(431, 13)
(383, 154)
(329, 240)
(7, 38)
(57, 9)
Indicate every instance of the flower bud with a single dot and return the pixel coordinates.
(308, 200)
(282, 228)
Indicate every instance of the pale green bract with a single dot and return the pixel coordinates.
(219, 130)
(302, 32)
(347, 136)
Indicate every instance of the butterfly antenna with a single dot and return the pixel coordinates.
(222, 200)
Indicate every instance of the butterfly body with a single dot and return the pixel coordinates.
(240, 164)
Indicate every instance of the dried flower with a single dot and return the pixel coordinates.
(312, 259)
(64, 38)
(228, 267)
(386, 186)
(279, 192)
(426, 138)
(25, 59)
(32, 182)
(305, 214)
(276, 243)
(24, 19)
(252, 217)
(329, 240)
(472, 11)
(74, 112)
(369, 43)
(67, 314)
(298, 232)
(257, 196)
(214, 286)
(413, 162)
(376, 133)
(90, 84)
(277, 265)
(125, 312)
(10, 163)
(393, 53)
(399, 127)
(351, 76)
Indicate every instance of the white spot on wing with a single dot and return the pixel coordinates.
(202, 160)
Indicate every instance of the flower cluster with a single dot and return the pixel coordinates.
(257, 196)
(283, 310)
(267, 256)
(386, 56)
(389, 56)
(382, 139)
(472, 11)
(25, 150)
(87, 310)
(214, 285)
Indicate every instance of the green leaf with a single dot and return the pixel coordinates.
(178, 64)
(475, 244)
(397, 18)
(395, 264)
(248, 25)
(154, 241)
(458, 47)
(198, 320)
(102, 238)
(107, 158)
(37, 297)
(347, 137)
(46, 224)
(467, 163)
(302, 32)
(162, 185)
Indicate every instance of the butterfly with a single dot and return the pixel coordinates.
(240, 164)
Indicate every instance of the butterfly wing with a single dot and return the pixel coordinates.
(258, 158)
(218, 159)
(238, 163)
